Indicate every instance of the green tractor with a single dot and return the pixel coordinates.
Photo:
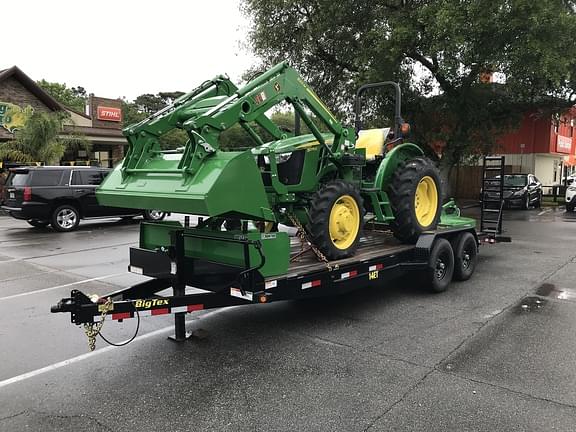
(325, 183)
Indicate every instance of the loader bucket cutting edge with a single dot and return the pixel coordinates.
(227, 184)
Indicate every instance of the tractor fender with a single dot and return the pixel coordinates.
(391, 161)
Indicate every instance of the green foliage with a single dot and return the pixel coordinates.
(237, 138)
(73, 97)
(437, 50)
(147, 104)
(41, 140)
(131, 114)
(173, 139)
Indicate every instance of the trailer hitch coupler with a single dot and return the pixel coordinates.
(64, 305)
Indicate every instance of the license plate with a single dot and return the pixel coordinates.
(12, 195)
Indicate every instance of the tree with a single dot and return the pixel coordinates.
(73, 97)
(41, 140)
(437, 50)
(147, 104)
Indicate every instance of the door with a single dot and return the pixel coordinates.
(83, 184)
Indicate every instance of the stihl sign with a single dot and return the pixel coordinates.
(109, 114)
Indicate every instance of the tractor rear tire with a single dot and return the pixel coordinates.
(416, 198)
(336, 219)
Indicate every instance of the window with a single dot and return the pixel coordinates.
(17, 179)
(46, 177)
(87, 177)
(515, 180)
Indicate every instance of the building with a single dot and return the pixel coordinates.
(544, 146)
(101, 124)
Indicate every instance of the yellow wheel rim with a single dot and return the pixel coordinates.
(344, 222)
(426, 201)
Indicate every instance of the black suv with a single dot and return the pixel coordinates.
(60, 196)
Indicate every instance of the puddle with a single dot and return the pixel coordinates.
(551, 290)
(532, 304)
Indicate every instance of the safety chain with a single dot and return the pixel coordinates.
(301, 233)
(93, 329)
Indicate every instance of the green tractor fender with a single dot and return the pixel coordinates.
(392, 160)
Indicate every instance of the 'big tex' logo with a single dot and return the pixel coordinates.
(12, 117)
(147, 304)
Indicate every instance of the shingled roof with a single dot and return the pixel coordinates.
(31, 86)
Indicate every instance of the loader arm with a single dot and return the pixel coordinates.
(143, 136)
(249, 104)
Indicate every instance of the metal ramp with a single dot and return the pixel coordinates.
(492, 196)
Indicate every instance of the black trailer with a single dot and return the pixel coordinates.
(438, 257)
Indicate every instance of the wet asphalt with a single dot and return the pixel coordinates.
(495, 353)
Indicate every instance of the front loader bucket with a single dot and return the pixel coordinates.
(227, 184)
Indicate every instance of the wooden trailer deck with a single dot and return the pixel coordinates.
(373, 244)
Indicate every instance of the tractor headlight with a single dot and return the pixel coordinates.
(280, 158)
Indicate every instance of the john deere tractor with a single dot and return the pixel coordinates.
(326, 183)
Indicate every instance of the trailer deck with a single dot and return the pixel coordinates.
(373, 244)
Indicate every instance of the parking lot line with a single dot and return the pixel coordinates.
(544, 211)
(60, 286)
(88, 355)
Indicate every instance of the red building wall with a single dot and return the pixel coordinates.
(538, 135)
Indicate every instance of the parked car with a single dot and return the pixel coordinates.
(523, 190)
(571, 197)
(60, 196)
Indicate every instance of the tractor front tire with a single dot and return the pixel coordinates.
(416, 198)
(336, 219)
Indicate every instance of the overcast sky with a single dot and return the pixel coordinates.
(126, 48)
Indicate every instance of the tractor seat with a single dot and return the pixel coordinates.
(373, 141)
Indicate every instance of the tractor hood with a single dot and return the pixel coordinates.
(228, 184)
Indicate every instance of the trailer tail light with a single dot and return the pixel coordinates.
(27, 194)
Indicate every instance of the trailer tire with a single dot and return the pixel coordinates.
(415, 194)
(336, 219)
(440, 265)
(153, 215)
(465, 256)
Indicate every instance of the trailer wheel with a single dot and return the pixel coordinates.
(440, 265)
(153, 215)
(336, 219)
(415, 194)
(465, 256)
